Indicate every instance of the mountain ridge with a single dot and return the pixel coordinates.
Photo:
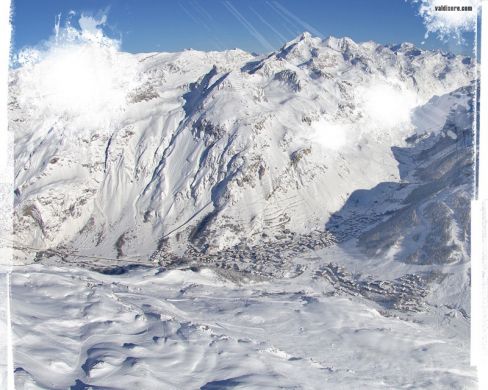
(214, 146)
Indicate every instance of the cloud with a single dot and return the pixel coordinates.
(78, 73)
(386, 104)
(448, 23)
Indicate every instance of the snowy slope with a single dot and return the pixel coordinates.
(209, 148)
(183, 329)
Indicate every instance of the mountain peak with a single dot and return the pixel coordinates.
(305, 35)
(339, 43)
(302, 43)
(404, 46)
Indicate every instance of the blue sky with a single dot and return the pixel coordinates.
(252, 25)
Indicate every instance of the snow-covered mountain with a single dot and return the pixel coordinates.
(215, 149)
(309, 211)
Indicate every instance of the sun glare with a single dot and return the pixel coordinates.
(79, 73)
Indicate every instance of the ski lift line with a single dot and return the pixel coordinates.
(16, 265)
(133, 259)
(17, 245)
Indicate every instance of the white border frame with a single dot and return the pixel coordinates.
(479, 223)
(6, 188)
(479, 205)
